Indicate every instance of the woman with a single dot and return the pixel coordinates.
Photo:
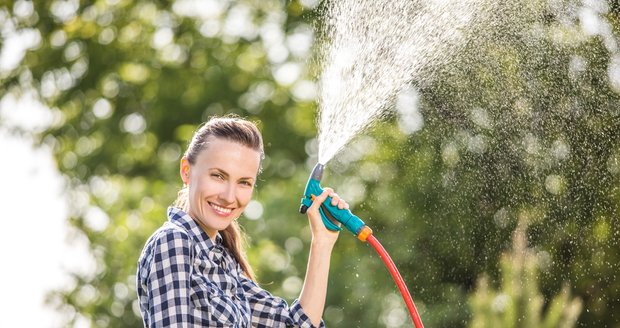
(193, 271)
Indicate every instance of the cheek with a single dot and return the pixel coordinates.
(205, 186)
(245, 196)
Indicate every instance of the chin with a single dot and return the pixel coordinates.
(223, 226)
(219, 223)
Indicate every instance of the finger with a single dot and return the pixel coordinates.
(318, 200)
(335, 199)
(313, 212)
(342, 204)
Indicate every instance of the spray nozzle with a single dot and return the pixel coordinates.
(317, 172)
(331, 214)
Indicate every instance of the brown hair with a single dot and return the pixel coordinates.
(244, 132)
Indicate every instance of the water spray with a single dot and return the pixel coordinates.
(373, 50)
(332, 216)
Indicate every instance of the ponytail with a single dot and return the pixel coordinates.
(234, 239)
(182, 201)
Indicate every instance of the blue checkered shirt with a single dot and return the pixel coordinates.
(185, 279)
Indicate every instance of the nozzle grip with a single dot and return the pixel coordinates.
(306, 202)
(329, 212)
(344, 216)
(328, 220)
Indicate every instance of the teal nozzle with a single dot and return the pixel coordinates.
(330, 214)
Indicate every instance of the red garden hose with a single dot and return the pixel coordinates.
(397, 278)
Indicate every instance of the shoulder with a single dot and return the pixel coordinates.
(169, 232)
(168, 241)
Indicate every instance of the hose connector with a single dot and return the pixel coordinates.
(364, 233)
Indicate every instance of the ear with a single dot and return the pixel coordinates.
(184, 170)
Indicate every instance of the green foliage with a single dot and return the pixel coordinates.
(519, 302)
(523, 125)
(128, 82)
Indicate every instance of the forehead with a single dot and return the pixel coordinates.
(230, 156)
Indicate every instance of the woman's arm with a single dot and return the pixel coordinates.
(271, 311)
(314, 291)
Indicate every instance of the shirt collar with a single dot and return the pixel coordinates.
(182, 219)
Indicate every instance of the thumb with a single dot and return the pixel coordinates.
(318, 200)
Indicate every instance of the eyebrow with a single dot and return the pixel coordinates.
(227, 175)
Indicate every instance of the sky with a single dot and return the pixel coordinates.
(34, 246)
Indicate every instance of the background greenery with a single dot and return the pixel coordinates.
(521, 130)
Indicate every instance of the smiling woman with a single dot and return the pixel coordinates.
(217, 198)
(193, 270)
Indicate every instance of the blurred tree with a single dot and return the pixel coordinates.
(524, 125)
(519, 302)
(127, 83)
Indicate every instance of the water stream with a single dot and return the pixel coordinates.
(375, 48)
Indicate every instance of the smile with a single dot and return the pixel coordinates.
(221, 210)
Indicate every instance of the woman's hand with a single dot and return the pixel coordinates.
(312, 298)
(320, 234)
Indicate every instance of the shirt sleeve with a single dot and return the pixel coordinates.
(166, 281)
(271, 311)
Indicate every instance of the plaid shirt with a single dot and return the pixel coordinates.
(185, 279)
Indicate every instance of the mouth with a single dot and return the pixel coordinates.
(220, 210)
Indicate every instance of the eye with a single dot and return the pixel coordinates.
(246, 183)
(217, 176)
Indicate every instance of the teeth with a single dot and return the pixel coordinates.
(221, 209)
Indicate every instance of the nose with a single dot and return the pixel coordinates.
(228, 193)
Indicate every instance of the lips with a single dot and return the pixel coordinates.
(222, 211)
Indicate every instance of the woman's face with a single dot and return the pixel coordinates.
(220, 183)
